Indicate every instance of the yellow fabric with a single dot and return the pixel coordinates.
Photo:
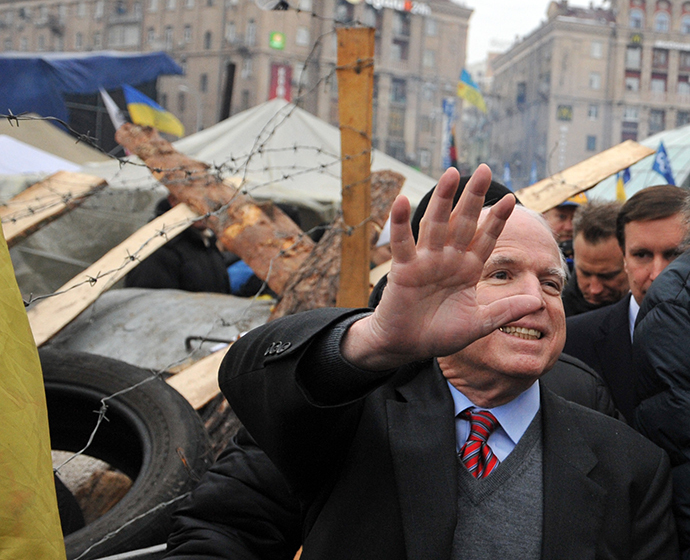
(29, 519)
(620, 189)
(472, 95)
(164, 121)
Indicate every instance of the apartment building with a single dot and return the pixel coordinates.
(587, 79)
(236, 55)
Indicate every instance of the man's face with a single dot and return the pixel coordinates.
(561, 221)
(649, 248)
(599, 268)
(526, 260)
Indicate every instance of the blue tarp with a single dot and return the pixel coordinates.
(35, 83)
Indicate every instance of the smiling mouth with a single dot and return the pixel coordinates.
(522, 332)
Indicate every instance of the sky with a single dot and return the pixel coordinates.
(500, 21)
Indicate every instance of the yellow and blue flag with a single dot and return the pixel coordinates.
(621, 179)
(146, 112)
(662, 165)
(469, 91)
(29, 518)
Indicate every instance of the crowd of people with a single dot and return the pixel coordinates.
(489, 403)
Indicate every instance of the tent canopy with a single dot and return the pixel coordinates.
(287, 154)
(677, 144)
(37, 83)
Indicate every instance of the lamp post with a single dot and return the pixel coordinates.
(186, 89)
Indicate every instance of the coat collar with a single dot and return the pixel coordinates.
(422, 440)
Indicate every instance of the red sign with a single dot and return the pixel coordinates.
(281, 82)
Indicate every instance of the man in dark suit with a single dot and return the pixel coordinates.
(419, 430)
(650, 228)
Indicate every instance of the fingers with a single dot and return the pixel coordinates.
(464, 217)
(491, 226)
(402, 241)
(433, 228)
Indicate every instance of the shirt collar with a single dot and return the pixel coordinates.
(514, 416)
(633, 310)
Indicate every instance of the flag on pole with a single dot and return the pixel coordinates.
(662, 165)
(448, 118)
(147, 112)
(452, 150)
(621, 179)
(116, 114)
(469, 91)
(507, 181)
(29, 518)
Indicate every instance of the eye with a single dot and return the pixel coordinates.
(499, 275)
(641, 254)
(552, 287)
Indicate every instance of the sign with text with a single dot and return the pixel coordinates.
(281, 82)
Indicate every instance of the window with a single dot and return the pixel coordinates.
(591, 143)
(81, 9)
(24, 44)
(429, 59)
(164, 100)
(153, 5)
(168, 38)
(41, 43)
(658, 83)
(251, 32)
(683, 87)
(628, 131)
(100, 8)
(424, 159)
(594, 80)
(244, 103)
(62, 12)
(596, 49)
(684, 60)
(398, 91)
(203, 83)
(657, 121)
(78, 41)
(428, 91)
(399, 50)
(181, 102)
(302, 37)
(150, 35)
(631, 114)
(207, 40)
(189, 4)
(632, 81)
(230, 32)
(59, 44)
(401, 23)
(430, 27)
(369, 16)
(660, 58)
(8, 44)
(662, 22)
(97, 40)
(9, 17)
(521, 95)
(636, 19)
(187, 34)
(170, 4)
(305, 5)
(247, 67)
(593, 112)
(682, 118)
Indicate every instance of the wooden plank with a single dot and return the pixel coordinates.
(355, 97)
(45, 201)
(549, 193)
(199, 382)
(50, 315)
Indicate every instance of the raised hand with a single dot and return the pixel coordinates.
(429, 306)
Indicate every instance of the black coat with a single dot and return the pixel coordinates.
(661, 353)
(601, 339)
(376, 471)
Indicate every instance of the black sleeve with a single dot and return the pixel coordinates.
(242, 510)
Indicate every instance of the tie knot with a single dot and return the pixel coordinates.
(482, 424)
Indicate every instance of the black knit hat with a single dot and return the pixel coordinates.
(495, 193)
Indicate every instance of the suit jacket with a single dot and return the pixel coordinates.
(601, 339)
(372, 456)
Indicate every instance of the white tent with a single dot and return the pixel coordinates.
(287, 154)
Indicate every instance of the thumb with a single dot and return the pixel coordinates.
(506, 310)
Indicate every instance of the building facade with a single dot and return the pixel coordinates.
(587, 79)
(236, 56)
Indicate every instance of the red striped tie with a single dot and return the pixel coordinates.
(476, 454)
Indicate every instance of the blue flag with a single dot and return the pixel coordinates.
(662, 165)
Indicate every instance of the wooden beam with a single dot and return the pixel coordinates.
(199, 382)
(355, 97)
(45, 201)
(50, 315)
(549, 193)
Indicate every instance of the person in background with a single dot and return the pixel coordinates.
(599, 277)
(191, 261)
(650, 228)
(560, 219)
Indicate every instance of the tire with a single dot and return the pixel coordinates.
(152, 435)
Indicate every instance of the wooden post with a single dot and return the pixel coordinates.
(355, 97)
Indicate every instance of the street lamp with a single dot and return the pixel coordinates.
(186, 89)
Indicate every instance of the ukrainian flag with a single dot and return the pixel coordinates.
(147, 112)
(469, 91)
(622, 179)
